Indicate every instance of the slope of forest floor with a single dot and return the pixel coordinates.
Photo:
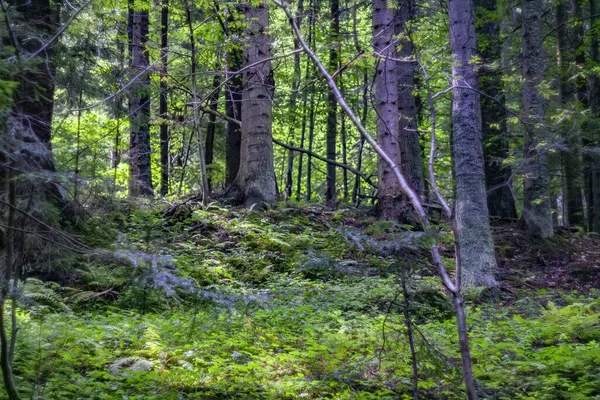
(208, 302)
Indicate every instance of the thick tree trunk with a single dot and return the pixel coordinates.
(255, 181)
(334, 31)
(493, 114)
(140, 175)
(392, 203)
(34, 98)
(164, 129)
(474, 238)
(410, 148)
(233, 99)
(537, 209)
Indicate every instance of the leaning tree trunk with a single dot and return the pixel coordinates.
(392, 203)
(493, 114)
(474, 237)
(537, 210)
(255, 181)
(140, 176)
(334, 31)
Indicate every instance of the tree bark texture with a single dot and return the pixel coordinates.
(140, 176)
(474, 238)
(334, 31)
(233, 98)
(392, 203)
(408, 137)
(493, 114)
(537, 209)
(255, 182)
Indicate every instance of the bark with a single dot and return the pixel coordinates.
(392, 204)
(140, 175)
(34, 98)
(410, 149)
(255, 182)
(334, 31)
(537, 209)
(30, 120)
(164, 129)
(233, 100)
(471, 217)
(493, 114)
(365, 104)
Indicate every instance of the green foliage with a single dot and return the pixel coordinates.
(286, 307)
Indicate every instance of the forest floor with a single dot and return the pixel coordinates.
(300, 302)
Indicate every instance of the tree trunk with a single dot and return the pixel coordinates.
(365, 104)
(233, 99)
(164, 129)
(410, 148)
(537, 208)
(140, 174)
(474, 237)
(334, 31)
(392, 203)
(255, 182)
(493, 114)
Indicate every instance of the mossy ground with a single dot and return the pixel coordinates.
(291, 303)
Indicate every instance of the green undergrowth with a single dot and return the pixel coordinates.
(290, 303)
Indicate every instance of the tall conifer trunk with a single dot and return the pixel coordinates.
(233, 96)
(140, 176)
(392, 203)
(410, 149)
(334, 31)
(255, 182)
(537, 210)
(474, 238)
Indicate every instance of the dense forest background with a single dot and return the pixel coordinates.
(304, 199)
